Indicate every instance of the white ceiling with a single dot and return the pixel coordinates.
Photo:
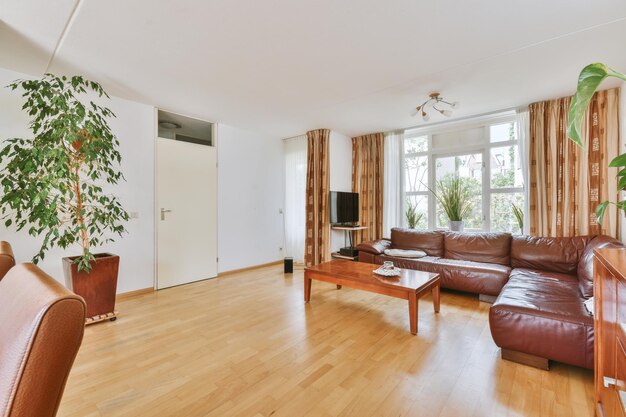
(283, 66)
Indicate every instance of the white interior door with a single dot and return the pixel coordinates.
(186, 212)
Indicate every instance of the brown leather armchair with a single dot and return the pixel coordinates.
(7, 260)
(41, 329)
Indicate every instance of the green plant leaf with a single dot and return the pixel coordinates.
(52, 182)
(600, 210)
(588, 81)
(454, 197)
(621, 183)
(619, 161)
(518, 212)
(412, 216)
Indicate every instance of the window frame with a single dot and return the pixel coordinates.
(405, 193)
(498, 190)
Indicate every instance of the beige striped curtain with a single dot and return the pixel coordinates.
(367, 180)
(317, 241)
(566, 182)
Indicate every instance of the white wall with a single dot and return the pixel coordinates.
(134, 126)
(250, 192)
(250, 195)
(340, 161)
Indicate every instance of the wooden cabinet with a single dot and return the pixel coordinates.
(610, 332)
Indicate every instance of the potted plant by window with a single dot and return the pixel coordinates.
(412, 216)
(455, 199)
(53, 183)
(589, 80)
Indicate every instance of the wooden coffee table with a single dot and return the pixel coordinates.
(410, 285)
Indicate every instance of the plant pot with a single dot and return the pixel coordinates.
(98, 286)
(456, 226)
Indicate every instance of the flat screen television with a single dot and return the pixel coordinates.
(344, 208)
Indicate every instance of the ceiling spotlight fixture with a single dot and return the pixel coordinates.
(435, 102)
(169, 125)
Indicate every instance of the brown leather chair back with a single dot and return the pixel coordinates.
(430, 242)
(552, 254)
(41, 329)
(7, 260)
(494, 248)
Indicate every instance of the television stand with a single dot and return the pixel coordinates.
(349, 251)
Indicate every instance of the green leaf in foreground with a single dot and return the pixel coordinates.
(588, 82)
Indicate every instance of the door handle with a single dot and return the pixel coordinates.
(163, 211)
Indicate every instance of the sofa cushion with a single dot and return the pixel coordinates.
(405, 253)
(543, 314)
(475, 277)
(470, 276)
(430, 242)
(553, 254)
(374, 246)
(492, 248)
(585, 264)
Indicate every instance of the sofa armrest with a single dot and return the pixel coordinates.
(376, 247)
(7, 259)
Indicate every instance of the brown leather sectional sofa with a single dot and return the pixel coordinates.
(540, 284)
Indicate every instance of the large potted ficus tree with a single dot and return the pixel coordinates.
(52, 183)
(589, 80)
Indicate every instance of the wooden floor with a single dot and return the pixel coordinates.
(246, 345)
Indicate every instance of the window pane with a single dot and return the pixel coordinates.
(503, 217)
(505, 167)
(466, 166)
(420, 202)
(469, 168)
(416, 173)
(502, 132)
(416, 144)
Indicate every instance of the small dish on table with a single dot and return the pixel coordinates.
(388, 272)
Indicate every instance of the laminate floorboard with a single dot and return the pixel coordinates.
(247, 345)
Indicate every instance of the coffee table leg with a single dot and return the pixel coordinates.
(307, 289)
(436, 297)
(338, 286)
(413, 312)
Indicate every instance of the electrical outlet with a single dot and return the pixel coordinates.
(280, 211)
(280, 249)
(133, 214)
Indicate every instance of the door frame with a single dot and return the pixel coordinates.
(214, 136)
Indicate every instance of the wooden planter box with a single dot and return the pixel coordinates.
(98, 287)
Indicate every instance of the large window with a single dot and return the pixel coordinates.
(505, 179)
(486, 159)
(469, 168)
